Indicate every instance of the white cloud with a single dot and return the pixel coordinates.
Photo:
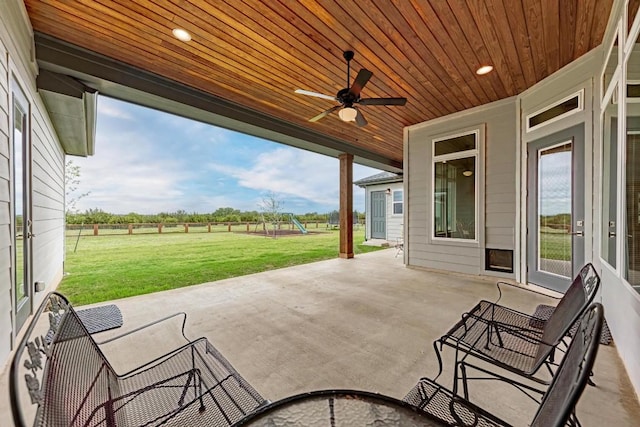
(288, 171)
(293, 172)
(111, 108)
(126, 175)
(150, 162)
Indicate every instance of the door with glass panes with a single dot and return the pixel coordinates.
(20, 156)
(555, 208)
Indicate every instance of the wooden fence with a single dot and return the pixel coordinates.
(186, 227)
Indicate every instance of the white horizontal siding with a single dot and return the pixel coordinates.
(497, 196)
(4, 167)
(393, 223)
(47, 169)
(5, 226)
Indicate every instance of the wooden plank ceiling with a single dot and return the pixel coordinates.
(257, 52)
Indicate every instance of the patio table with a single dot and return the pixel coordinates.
(340, 408)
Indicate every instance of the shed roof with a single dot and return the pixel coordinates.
(379, 178)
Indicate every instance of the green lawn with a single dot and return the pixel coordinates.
(555, 245)
(107, 267)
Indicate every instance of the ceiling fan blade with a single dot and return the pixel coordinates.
(383, 101)
(324, 113)
(316, 94)
(361, 79)
(360, 120)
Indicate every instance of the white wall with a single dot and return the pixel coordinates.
(394, 223)
(497, 189)
(621, 301)
(17, 61)
(502, 204)
(5, 222)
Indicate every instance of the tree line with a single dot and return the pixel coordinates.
(98, 216)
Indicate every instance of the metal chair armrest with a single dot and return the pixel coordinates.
(147, 325)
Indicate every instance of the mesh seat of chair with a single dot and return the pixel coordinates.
(192, 385)
(228, 395)
(558, 403)
(511, 339)
(501, 334)
(433, 398)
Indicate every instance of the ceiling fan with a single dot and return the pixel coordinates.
(350, 96)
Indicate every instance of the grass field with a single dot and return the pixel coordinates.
(108, 267)
(555, 245)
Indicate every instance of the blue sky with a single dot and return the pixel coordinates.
(148, 161)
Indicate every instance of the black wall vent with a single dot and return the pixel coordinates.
(499, 260)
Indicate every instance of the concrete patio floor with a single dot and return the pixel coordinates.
(366, 323)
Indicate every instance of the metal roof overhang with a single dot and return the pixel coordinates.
(72, 107)
(121, 81)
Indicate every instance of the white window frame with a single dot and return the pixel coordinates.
(579, 94)
(475, 153)
(394, 202)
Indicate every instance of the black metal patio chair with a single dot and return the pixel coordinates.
(515, 341)
(558, 403)
(70, 382)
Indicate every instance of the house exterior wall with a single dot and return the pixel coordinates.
(5, 217)
(504, 204)
(496, 189)
(394, 222)
(621, 301)
(47, 171)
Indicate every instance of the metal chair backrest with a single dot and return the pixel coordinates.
(575, 301)
(571, 378)
(68, 377)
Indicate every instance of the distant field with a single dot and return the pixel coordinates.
(107, 267)
(555, 245)
(105, 229)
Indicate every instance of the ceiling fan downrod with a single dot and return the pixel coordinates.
(348, 56)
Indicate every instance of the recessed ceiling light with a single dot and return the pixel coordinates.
(484, 69)
(181, 34)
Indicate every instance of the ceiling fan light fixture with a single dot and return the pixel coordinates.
(182, 35)
(348, 114)
(485, 69)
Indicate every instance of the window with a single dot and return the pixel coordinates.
(632, 193)
(397, 202)
(455, 186)
(556, 111)
(20, 214)
(609, 182)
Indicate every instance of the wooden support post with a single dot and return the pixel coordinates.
(95, 229)
(159, 228)
(247, 227)
(186, 227)
(346, 205)
(130, 228)
(229, 227)
(209, 228)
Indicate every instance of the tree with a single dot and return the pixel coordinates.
(271, 209)
(71, 183)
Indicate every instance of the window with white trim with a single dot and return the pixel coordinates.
(455, 199)
(397, 202)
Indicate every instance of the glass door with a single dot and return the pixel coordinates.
(21, 219)
(632, 265)
(555, 205)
